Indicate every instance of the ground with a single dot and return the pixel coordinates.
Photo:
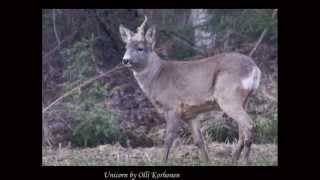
(181, 155)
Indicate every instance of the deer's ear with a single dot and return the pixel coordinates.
(125, 33)
(151, 35)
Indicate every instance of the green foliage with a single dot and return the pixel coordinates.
(80, 62)
(180, 52)
(248, 22)
(46, 23)
(80, 65)
(221, 132)
(267, 130)
(94, 127)
(92, 124)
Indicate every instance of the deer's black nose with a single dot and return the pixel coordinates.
(125, 61)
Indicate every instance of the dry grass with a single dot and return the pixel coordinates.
(181, 155)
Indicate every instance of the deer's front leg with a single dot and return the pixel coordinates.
(171, 132)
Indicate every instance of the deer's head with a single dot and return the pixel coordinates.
(139, 46)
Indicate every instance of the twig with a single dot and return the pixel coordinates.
(262, 36)
(80, 86)
(54, 27)
(258, 42)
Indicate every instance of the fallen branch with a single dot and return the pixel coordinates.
(77, 88)
(261, 36)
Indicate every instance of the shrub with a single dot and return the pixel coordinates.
(80, 61)
(221, 131)
(94, 127)
(248, 22)
(267, 130)
(92, 124)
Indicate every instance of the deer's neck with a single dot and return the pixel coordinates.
(146, 77)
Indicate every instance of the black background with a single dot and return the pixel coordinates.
(296, 140)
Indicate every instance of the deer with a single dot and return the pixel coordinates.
(181, 90)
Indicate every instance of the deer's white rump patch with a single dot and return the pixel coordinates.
(252, 81)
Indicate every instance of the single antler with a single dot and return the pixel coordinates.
(140, 29)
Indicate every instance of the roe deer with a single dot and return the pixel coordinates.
(182, 90)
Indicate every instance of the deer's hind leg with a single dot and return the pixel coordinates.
(231, 99)
(239, 146)
(246, 127)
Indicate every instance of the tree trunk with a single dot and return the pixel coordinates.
(202, 38)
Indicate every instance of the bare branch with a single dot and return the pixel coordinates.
(54, 27)
(261, 36)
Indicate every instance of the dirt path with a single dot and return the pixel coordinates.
(181, 155)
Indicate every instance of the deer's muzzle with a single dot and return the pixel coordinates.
(125, 61)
